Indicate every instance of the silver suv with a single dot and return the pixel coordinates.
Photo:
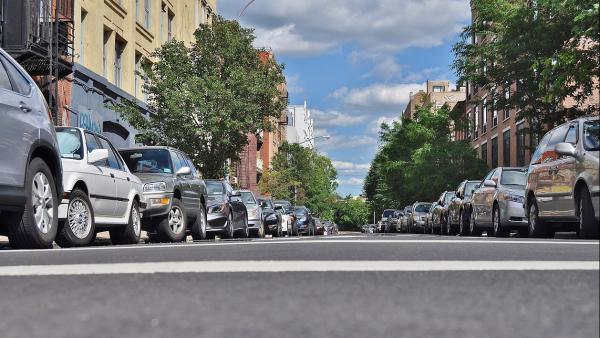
(562, 180)
(30, 167)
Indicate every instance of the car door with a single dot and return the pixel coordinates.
(565, 175)
(184, 184)
(481, 200)
(20, 121)
(121, 179)
(454, 206)
(193, 185)
(101, 185)
(547, 182)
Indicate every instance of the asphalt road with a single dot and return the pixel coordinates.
(343, 286)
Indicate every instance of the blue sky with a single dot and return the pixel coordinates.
(355, 62)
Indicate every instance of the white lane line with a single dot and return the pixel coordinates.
(293, 266)
(309, 241)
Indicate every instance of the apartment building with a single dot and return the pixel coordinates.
(300, 128)
(437, 94)
(111, 39)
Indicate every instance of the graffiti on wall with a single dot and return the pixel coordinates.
(90, 120)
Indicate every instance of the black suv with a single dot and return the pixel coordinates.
(176, 198)
(30, 167)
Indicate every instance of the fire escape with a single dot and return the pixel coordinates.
(39, 35)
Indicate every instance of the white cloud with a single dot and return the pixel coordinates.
(314, 26)
(334, 118)
(375, 125)
(293, 84)
(380, 97)
(352, 181)
(346, 167)
(337, 142)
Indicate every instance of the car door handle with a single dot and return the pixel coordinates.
(128, 179)
(112, 175)
(25, 108)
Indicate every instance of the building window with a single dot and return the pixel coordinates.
(495, 152)
(137, 10)
(170, 19)
(521, 145)
(506, 148)
(147, 13)
(136, 74)
(484, 111)
(105, 53)
(438, 89)
(476, 133)
(484, 154)
(506, 98)
(469, 125)
(119, 48)
(82, 36)
(495, 114)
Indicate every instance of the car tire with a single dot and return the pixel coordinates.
(498, 229)
(130, 233)
(229, 230)
(464, 229)
(79, 228)
(199, 225)
(24, 231)
(295, 230)
(473, 228)
(536, 226)
(260, 233)
(449, 229)
(173, 227)
(245, 233)
(588, 226)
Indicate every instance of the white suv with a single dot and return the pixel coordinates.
(100, 191)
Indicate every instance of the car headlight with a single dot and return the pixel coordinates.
(219, 208)
(514, 198)
(155, 187)
(271, 217)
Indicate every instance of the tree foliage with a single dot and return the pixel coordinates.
(206, 98)
(545, 50)
(302, 176)
(350, 214)
(417, 160)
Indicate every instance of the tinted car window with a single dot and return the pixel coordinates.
(247, 197)
(20, 83)
(388, 213)
(591, 135)
(113, 159)
(147, 161)
(215, 188)
(177, 161)
(69, 143)
(422, 207)
(4, 80)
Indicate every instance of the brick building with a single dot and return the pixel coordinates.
(437, 94)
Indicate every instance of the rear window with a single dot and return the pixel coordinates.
(388, 213)
(513, 177)
(422, 207)
(215, 188)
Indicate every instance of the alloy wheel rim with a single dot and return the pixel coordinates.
(496, 221)
(460, 221)
(230, 227)
(472, 223)
(79, 218)
(202, 222)
(176, 220)
(42, 202)
(135, 220)
(532, 213)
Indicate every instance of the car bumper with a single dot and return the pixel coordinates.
(157, 205)
(216, 221)
(513, 214)
(254, 223)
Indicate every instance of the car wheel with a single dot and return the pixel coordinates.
(473, 228)
(129, 234)
(449, 229)
(295, 230)
(79, 228)
(588, 226)
(199, 225)
(537, 226)
(245, 232)
(36, 226)
(173, 227)
(499, 230)
(464, 229)
(229, 230)
(261, 230)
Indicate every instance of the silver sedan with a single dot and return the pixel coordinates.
(498, 202)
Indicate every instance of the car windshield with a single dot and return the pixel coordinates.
(469, 187)
(448, 198)
(69, 143)
(151, 161)
(215, 188)
(422, 207)
(388, 213)
(287, 206)
(248, 198)
(513, 177)
(591, 135)
(300, 212)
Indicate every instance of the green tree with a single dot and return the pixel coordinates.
(302, 176)
(206, 98)
(417, 160)
(545, 50)
(350, 214)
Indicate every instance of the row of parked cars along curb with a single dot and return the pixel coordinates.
(559, 191)
(67, 184)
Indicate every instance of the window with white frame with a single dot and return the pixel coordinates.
(476, 134)
(495, 113)
(506, 98)
(484, 111)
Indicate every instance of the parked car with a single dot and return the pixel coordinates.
(100, 193)
(428, 218)
(459, 209)
(319, 227)
(396, 220)
(256, 225)
(287, 217)
(304, 220)
(271, 216)
(418, 217)
(439, 214)
(30, 166)
(368, 228)
(563, 180)
(227, 214)
(386, 217)
(404, 221)
(330, 228)
(498, 203)
(174, 191)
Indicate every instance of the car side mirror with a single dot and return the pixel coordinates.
(490, 184)
(183, 171)
(97, 155)
(566, 149)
